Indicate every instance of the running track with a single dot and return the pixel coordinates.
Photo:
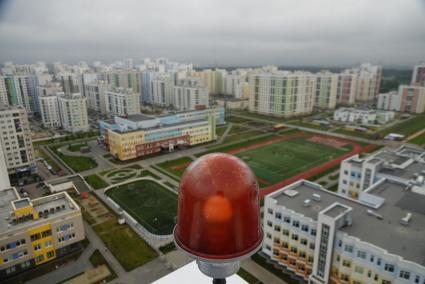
(304, 175)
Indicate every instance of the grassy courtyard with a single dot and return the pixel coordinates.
(95, 181)
(77, 163)
(175, 167)
(75, 147)
(152, 205)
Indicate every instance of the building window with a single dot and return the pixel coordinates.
(287, 219)
(270, 211)
(48, 244)
(37, 247)
(39, 258)
(304, 228)
(296, 224)
(278, 216)
(361, 254)
(348, 248)
(404, 274)
(50, 254)
(295, 237)
(389, 267)
(346, 263)
(285, 232)
(313, 232)
(359, 269)
(303, 241)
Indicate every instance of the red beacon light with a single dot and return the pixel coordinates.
(218, 217)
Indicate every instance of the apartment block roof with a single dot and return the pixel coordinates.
(381, 228)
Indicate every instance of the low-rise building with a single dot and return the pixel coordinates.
(405, 164)
(363, 116)
(155, 137)
(33, 232)
(323, 237)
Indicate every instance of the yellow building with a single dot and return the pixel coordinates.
(126, 145)
(36, 231)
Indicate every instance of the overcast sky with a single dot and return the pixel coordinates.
(215, 32)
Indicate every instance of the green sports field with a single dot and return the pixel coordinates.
(152, 205)
(281, 160)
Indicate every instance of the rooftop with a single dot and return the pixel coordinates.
(164, 126)
(385, 232)
(138, 117)
(50, 205)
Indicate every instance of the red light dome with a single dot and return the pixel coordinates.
(218, 210)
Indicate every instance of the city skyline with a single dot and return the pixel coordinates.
(216, 33)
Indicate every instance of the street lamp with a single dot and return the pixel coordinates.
(218, 218)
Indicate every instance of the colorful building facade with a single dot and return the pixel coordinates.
(33, 232)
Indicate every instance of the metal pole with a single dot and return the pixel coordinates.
(219, 280)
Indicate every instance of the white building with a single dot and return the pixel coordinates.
(368, 82)
(404, 165)
(49, 111)
(282, 93)
(122, 102)
(16, 140)
(163, 90)
(323, 237)
(189, 94)
(409, 99)
(363, 116)
(73, 112)
(418, 76)
(326, 90)
(4, 177)
(70, 82)
(95, 93)
(347, 88)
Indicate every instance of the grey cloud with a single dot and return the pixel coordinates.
(208, 32)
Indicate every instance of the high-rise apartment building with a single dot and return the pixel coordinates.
(70, 82)
(325, 238)
(326, 90)
(163, 90)
(122, 102)
(282, 93)
(347, 88)
(127, 79)
(213, 80)
(73, 112)
(18, 90)
(4, 176)
(418, 76)
(408, 99)
(15, 136)
(49, 111)
(95, 93)
(368, 83)
(33, 232)
(190, 94)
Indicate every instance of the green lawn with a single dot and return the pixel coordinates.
(270, 267)
(231, 146)
(95, 181)
(127, 246)
(240, 133)
(167, 248)
(278, 161)
(75, 147)
(248, 277)
(42, 154)
(97, 259)
(152, 205)
(220, 130)
(77, 163)
(418, 140)
(171, 166)
(407, 127)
